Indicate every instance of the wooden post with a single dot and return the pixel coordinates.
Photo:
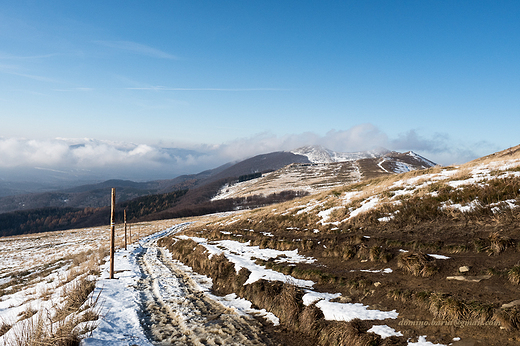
(125, 229)
(130, 233)
(112, 232)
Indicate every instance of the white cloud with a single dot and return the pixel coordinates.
(107, 159)
(358, 138)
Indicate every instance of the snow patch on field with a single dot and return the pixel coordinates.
(422, 342)
(384, 331)
(368, 204)
(325, 214)
(243, 255)
(334, 311)
(349, 311)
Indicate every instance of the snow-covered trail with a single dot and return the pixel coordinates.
(156, 300)
(178, 312)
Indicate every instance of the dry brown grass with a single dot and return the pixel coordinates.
(351, 333)
(282, 299)
(509, 319)
(417, 263)
(512, 154)
(76, 295)
(445, 306)
(37, 328)
(36, 332)
(378, 254)
(4, 328)
(498, 243)
(514, 275)
(41, 328)
(399, 295)
(311, 320)
(27, 313)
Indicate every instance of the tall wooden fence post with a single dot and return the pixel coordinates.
(125, 229)
(112, 232)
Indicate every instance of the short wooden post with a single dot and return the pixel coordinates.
(130, 233)
(112, 232)
(125, 228)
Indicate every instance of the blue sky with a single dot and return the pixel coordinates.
(236, 78)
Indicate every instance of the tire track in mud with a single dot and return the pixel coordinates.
(177, 312)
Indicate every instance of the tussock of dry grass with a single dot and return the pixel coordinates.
(498, 243)
(509, 319)
(311, 320)
(36, 332)
(514, 275)
(417, 263)
(76, 295)
(43, 328)
(27, 313)
(4, 328)
(354, 333)
(447, 307)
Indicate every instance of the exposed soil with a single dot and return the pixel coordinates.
(178, 313)
(472, 315)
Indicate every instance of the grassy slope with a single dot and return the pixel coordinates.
(422, 213)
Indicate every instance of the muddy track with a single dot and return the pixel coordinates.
(177, 312)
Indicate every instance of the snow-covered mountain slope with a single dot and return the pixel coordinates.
(319, 154)
(328, 170)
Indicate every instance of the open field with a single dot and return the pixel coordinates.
(40, 274)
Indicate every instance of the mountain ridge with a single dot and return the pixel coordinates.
(95, 195)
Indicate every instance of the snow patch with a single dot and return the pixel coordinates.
(384, 331)
(344, 311)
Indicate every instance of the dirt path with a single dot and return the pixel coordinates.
(177, 311)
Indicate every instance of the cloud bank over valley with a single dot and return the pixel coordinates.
(92, 159)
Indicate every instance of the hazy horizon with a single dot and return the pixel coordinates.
(97, 160)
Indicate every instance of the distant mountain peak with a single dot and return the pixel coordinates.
(420, 158)
(319, 154)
